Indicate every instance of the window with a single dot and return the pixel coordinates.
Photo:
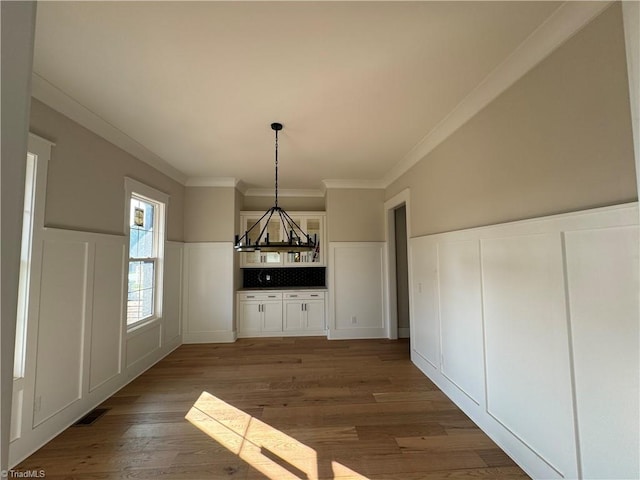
(145, 218)
(39, 152)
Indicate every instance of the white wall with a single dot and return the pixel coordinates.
(78, 350)
(357, 290)
(18, 25)
(208, 286)
(532, 329)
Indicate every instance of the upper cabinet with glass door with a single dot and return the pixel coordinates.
(273, 228)
(311, 222)
(313, 225)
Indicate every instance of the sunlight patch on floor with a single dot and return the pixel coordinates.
(268, 450)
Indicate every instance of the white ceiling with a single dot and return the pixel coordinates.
(357, 85)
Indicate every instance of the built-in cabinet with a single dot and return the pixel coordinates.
(310, 222)
(303, 311)
(281, 313)
(260, 312)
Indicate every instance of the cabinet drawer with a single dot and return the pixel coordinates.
(304, 295)
(260, 296)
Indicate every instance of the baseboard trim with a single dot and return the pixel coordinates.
(222, 336)
(357, 333)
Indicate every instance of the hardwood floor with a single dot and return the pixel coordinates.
(278, 408)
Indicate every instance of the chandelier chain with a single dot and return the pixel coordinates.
(276, 168)
(295, 239)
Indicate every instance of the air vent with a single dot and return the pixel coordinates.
(91, 417)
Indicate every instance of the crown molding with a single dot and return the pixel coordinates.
(211, 182)
(565, 22)
(354, 184)
(285, 192)
(55, 98)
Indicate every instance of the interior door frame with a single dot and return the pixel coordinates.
(398, 200)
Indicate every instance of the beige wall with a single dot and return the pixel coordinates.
(302, 204)
(558, 140)
(355, 215)
(209, 214)
(85, 184)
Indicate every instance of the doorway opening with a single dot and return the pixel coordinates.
(397, 231)
(402, 271)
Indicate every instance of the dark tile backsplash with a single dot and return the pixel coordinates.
(283, 277)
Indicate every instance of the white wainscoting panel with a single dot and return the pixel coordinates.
(172, 299)
(208, 293)
(143, 343)
(603, 286)
(107, 322)
(58, 378)
(357, 285)
(527, 356)
(425, 320)
(549, 309)
(76, 344)
(461, 316)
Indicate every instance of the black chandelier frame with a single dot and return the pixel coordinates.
(296, 239)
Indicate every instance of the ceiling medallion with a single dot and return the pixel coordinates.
(294, 238)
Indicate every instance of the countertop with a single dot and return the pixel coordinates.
(267, 289)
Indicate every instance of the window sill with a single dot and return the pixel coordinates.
(143, 326)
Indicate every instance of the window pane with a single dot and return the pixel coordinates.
(147, 275)
(145, 244)
(146, 305)
(140, 290)
(149, 212)
(141, 239)
(133, 243)
(134, 276)
(133, 307)
(141, 214)
(136, 216)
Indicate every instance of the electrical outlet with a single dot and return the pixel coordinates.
(354, 320)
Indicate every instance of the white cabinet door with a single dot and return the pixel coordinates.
(272, 316)
(269, 313)
(314, 312)
(293, 315)
(250, 316)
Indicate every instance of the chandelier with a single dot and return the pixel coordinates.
(294, 239)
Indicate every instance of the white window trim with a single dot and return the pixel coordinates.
(134, 187)
(25, 351)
